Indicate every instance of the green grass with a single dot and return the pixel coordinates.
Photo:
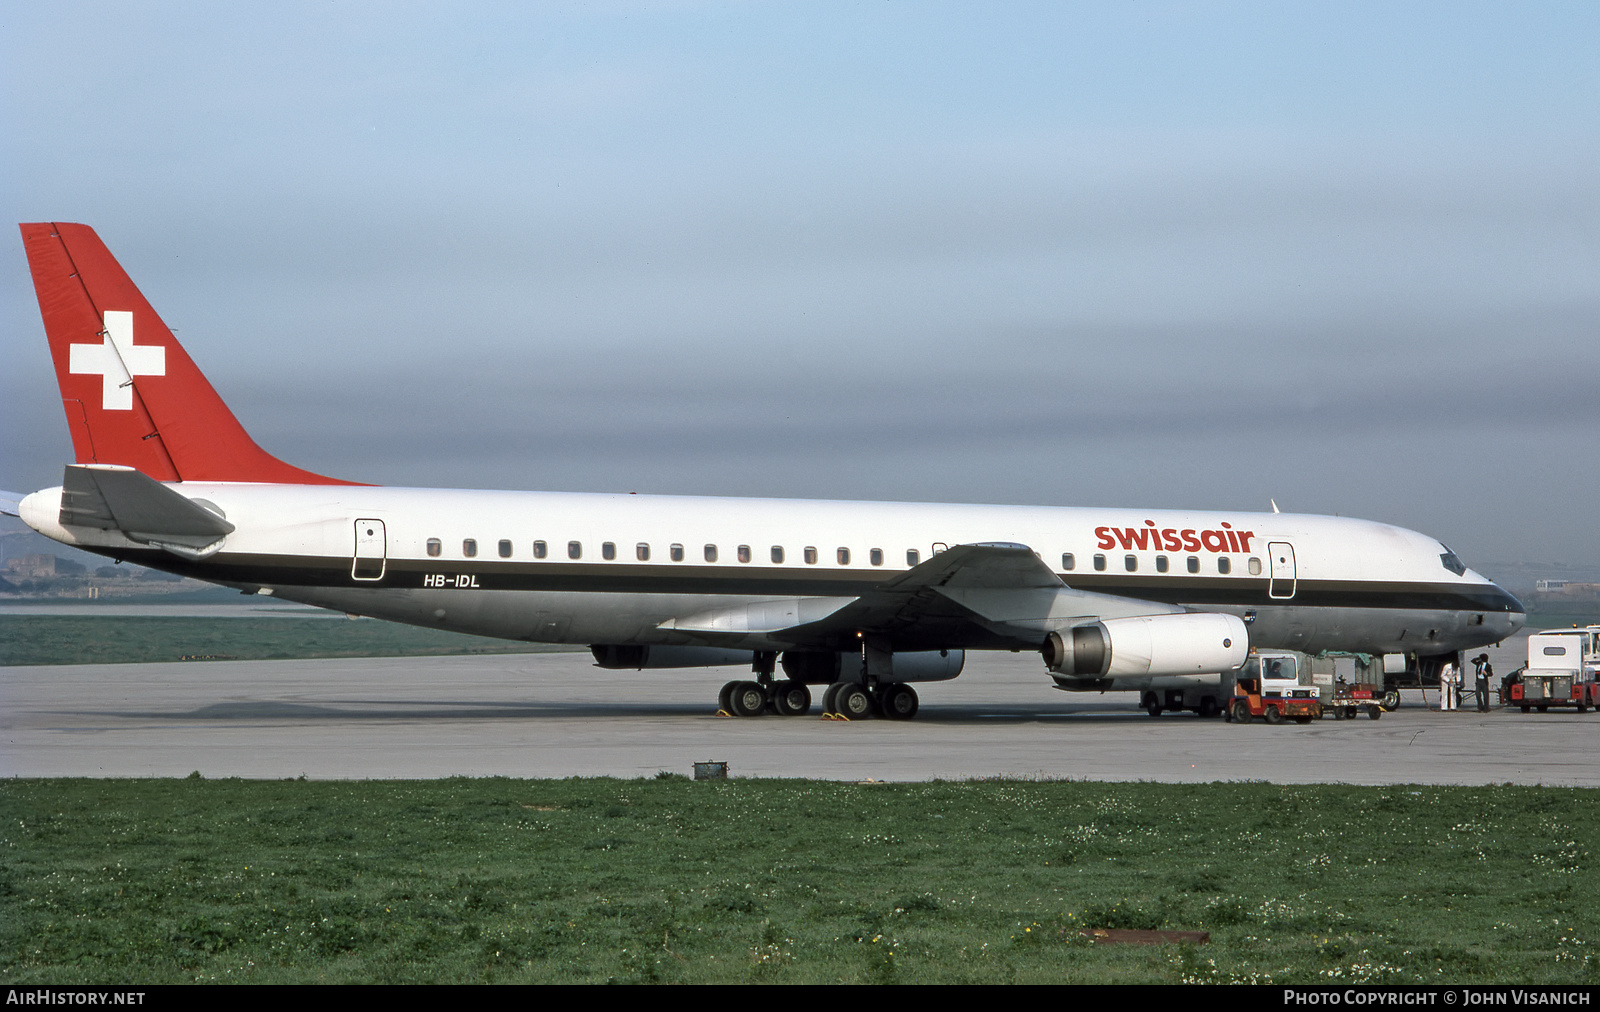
(668, 880)
(116, 639)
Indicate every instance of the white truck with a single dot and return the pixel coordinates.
(1563, 670)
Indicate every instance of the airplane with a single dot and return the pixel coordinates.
(863, 598)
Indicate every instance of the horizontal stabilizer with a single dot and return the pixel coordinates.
(115, 498)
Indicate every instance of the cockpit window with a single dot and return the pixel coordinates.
(1451, 562)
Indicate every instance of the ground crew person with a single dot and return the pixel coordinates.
(1483, 672)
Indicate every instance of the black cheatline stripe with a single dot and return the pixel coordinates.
(650, 578)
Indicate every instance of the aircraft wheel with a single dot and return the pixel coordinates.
(1391, 700)
(791, 699)
(853, 701)
(830, 697)
(899, 701)
(725, 697)
(1208, 706)
(1272, 715)
(748, 699)
(1241, 712)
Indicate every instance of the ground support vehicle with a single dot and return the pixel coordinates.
(1205, 695)
(1563, 670)
(1270, 686)
(1348, 700)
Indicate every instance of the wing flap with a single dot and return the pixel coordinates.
(761, 618)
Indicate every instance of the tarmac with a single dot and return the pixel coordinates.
(556, 715)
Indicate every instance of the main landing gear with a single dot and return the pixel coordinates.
(872, 695)
(894, 700)
(786, 698)
(751, 699)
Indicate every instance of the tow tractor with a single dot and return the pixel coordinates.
(1563, 670)
(1269, 687)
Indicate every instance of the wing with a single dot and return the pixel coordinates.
(995, 596)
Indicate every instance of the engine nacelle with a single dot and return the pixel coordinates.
(929, 665)
(640, 656)
(822, 667)
(1187, 644)
(813, 667)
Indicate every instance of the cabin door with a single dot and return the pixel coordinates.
(371, 551)
(1281, 558)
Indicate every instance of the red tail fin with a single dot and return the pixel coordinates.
(133, 396)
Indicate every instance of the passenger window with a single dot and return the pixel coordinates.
(844, 556)
(1099, 563)
(912, 557)
(1194, 564)
(505, 549)
(811, 555)
(676, 551)
(1067, 561)
(744, 553)
(469, 548)
(608, 550)
(641, 551)
(435, 546)
(1130, 563)
(1255, 566)
(540, 549)
(711, 553)
(875, 556)
(777, 553)
(1161, 563)
(574, 549)
(1224, 565)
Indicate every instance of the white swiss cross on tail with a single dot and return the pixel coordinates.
(118, 360)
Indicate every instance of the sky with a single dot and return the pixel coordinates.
(1172, 255)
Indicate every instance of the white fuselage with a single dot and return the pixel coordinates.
(618, 568)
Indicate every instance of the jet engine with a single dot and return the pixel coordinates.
(1149, 645)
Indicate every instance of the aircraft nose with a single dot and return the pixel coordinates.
(1515, 615)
